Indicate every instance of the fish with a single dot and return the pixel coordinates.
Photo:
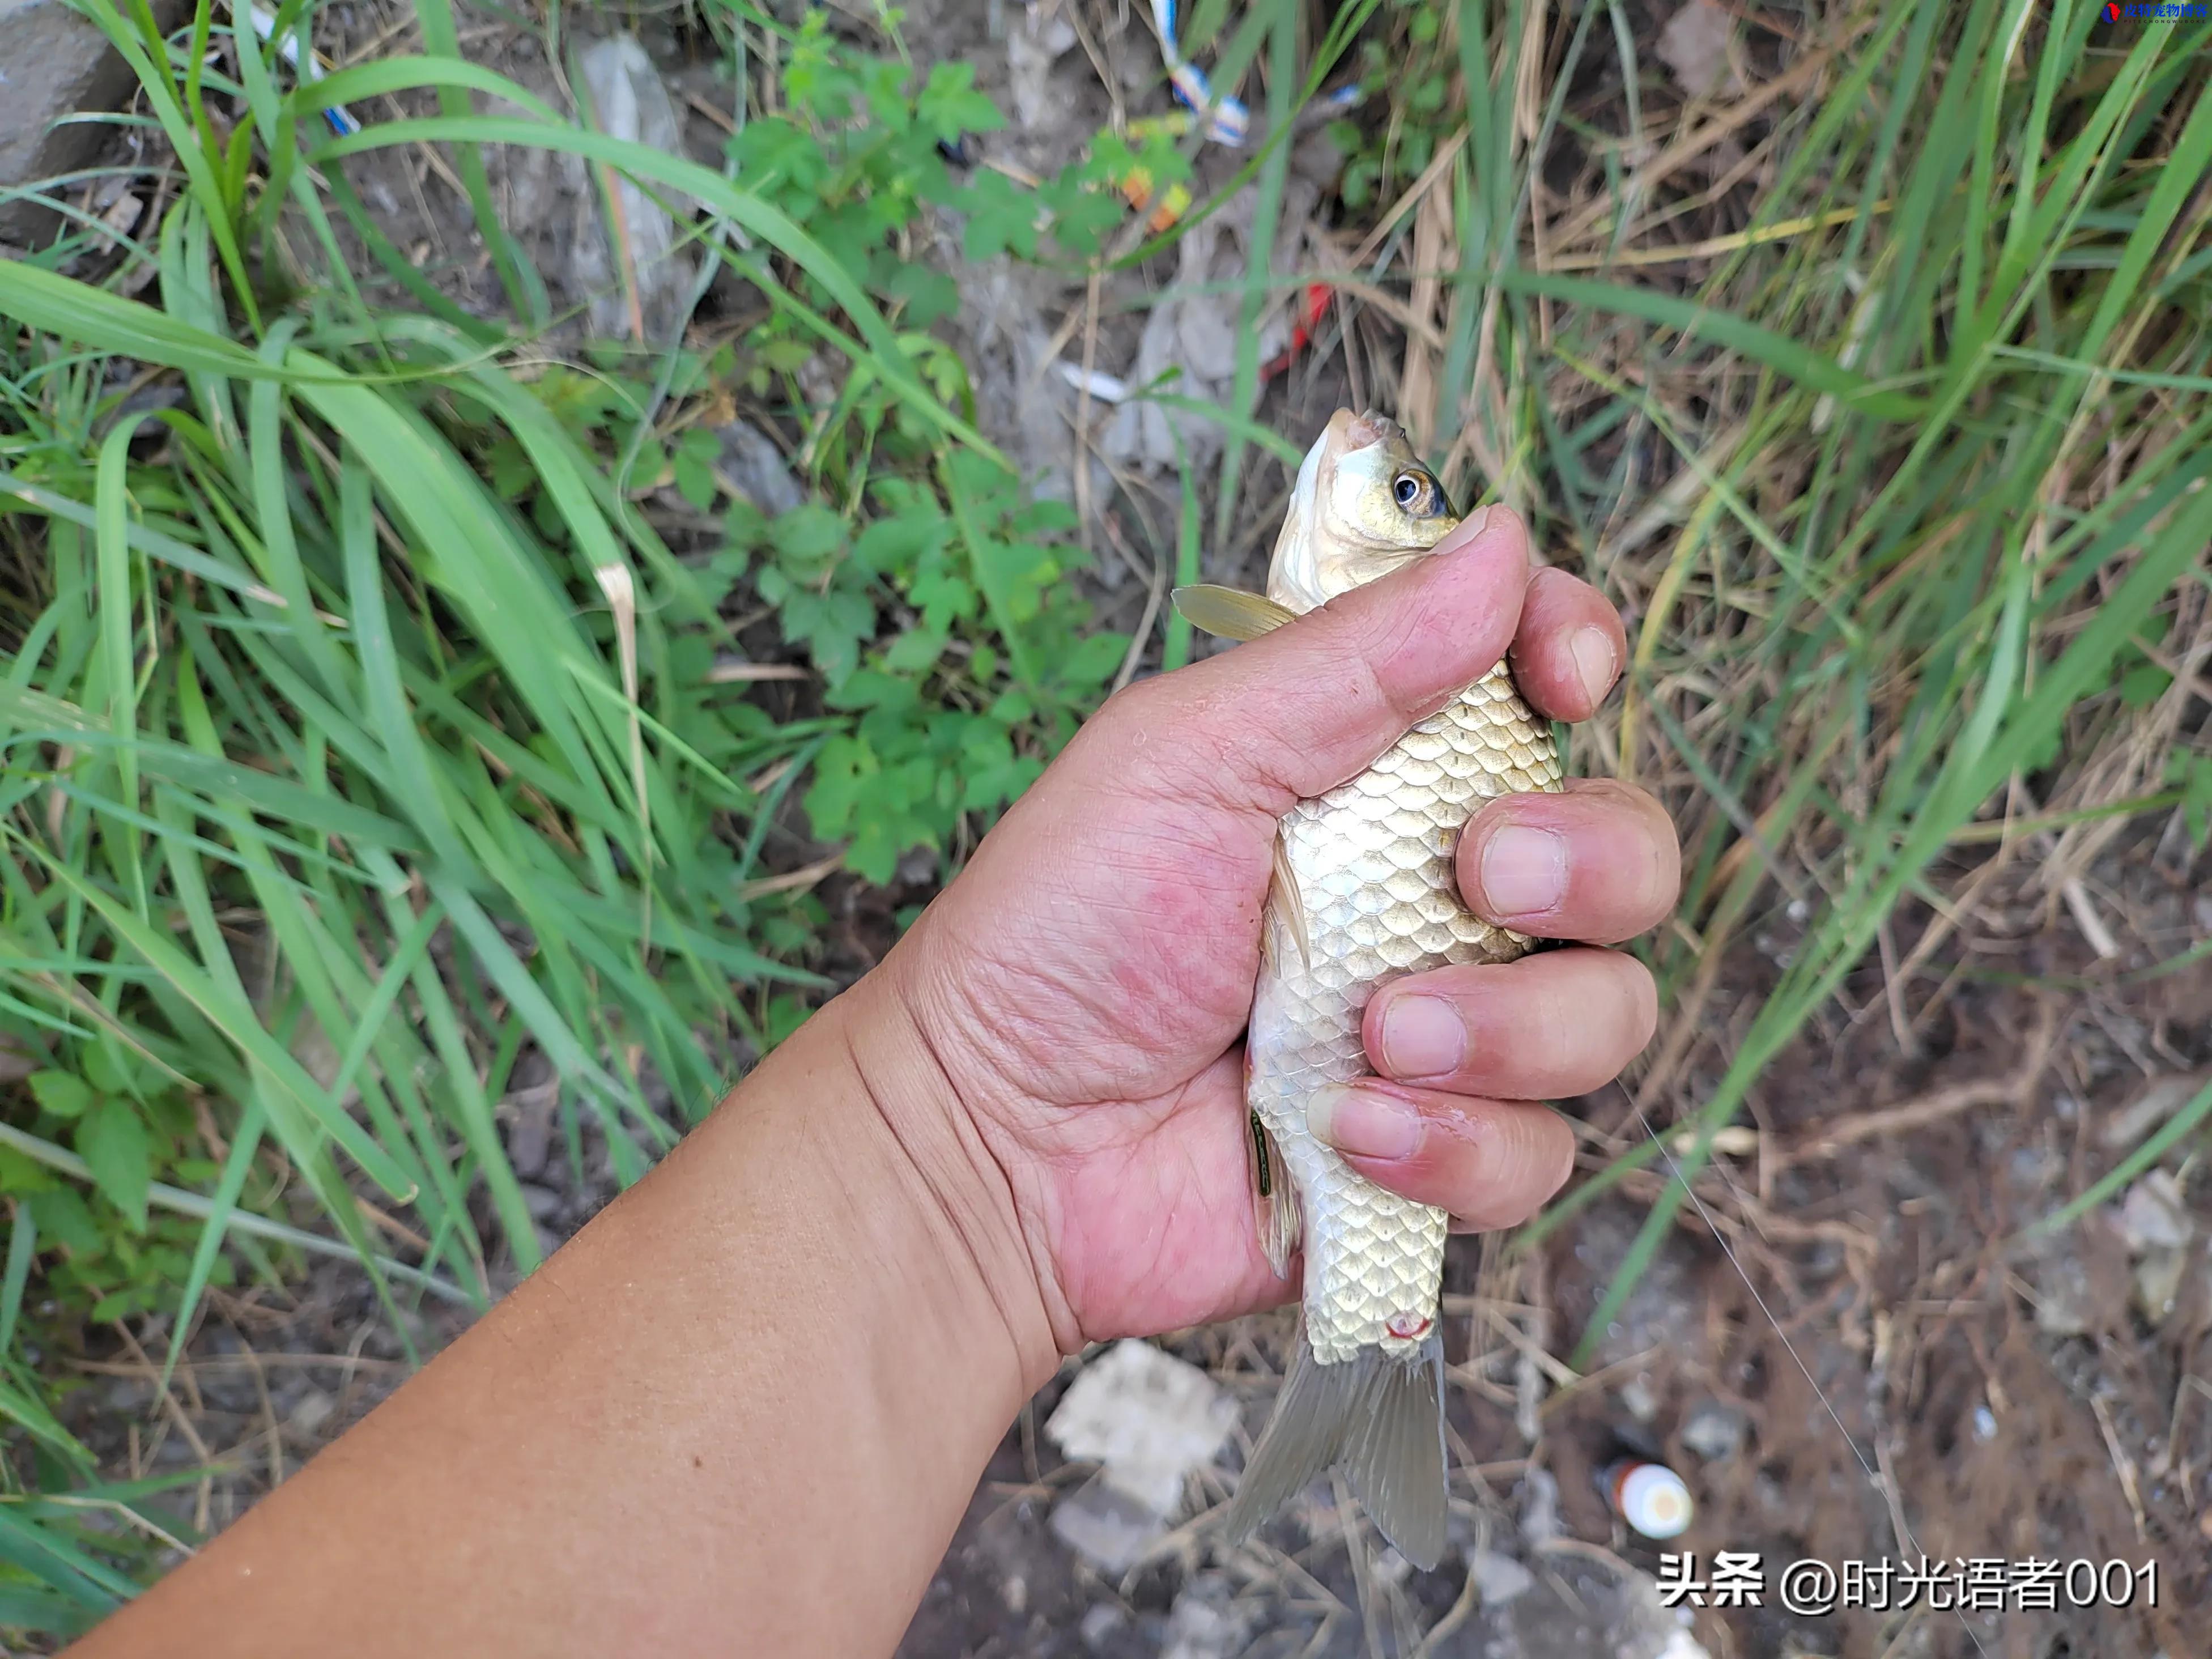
(1363, 891)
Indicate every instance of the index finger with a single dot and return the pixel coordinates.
(1569, 647)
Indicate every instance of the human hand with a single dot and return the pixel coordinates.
(1082, 986)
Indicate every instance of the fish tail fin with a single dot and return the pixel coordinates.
(1378, 1419)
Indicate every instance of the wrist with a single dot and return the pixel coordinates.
(951, 1201)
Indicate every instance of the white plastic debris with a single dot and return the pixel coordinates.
(1033, 45)
(1147, 1418)
(1498, 1579)
(1650, 1497)
(304, 65)
(1694, 45)
(1107, 388)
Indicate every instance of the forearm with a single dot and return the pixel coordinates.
(781, 1354)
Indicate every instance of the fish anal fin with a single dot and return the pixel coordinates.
(1231, 613)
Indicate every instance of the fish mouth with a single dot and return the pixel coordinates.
(1360, 431)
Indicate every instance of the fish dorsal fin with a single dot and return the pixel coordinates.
(1229, 612)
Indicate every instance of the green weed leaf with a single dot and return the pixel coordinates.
(112, 1140)
(62, 1093)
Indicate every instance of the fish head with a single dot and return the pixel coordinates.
(1364, 504)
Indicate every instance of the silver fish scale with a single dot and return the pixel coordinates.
(1373, 859)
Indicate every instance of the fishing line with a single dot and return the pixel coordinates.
(1896, 1505)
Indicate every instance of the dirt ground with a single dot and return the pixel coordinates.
(1845, 1347)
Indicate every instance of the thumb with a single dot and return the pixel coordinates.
(1298, 711)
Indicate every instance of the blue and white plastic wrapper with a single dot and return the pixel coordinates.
(338, 118)
(1228, 122)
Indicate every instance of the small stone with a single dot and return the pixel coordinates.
(1637, 1400)
(1105, 1527)
(1985, 1425)
(1102, 1624)
(530, 1137)
(1713, 1430)
(1149, 1418)
(2065, 1300)
(1204, 1622)
(315, 1408)
(2154, 1216)
(2158, 1282)
(751, 461)
(1498, 1579)
(1540, 1507)
(542, 1202)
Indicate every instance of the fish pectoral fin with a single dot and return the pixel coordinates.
(1283, 900)
(1379, 1418)
(1275, 1210)
(1229, 612)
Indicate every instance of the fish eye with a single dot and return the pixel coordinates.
(1416, 491)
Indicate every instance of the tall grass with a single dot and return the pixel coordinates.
(1943, 400)
(335, 776)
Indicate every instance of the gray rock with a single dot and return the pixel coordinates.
(629, 100)
(52, 63)
(1713, 1430)
(530, 1138)
(1204, 1622)
(1101, 1624)
(315, 1410)
(1105, 1529)
(751, 461)
(542, 1202)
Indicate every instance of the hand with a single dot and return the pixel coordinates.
(1082, 986)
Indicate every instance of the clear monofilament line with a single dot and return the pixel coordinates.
(1896, 1506)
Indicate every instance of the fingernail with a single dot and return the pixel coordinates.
(1524, 871)
(1421, 1036)
(1594, 662)
(1467, 531)
(1362, 1122)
